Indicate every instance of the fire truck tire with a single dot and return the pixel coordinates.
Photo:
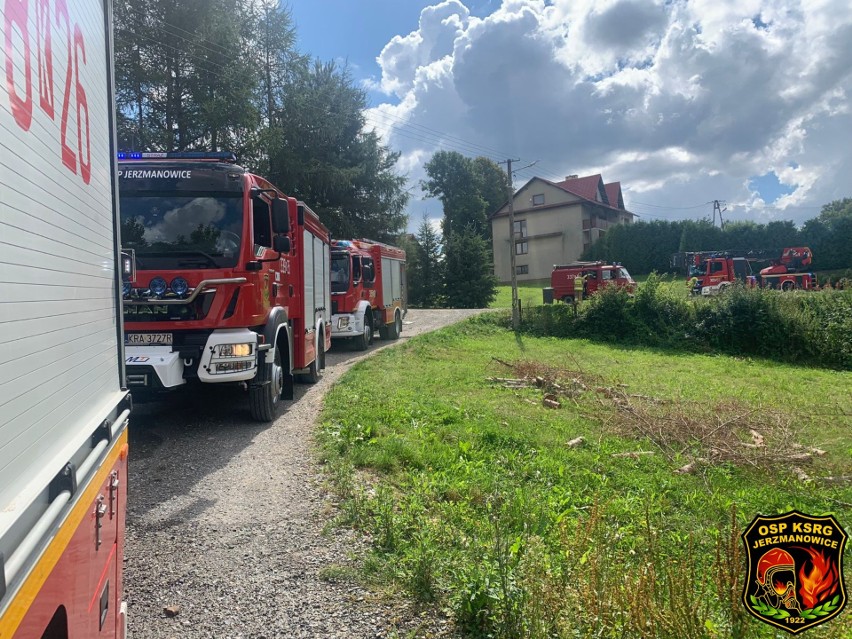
(394, 330)
(789, 285)
(568, 299)
(264, 400)
(363, 341)
(313, 374)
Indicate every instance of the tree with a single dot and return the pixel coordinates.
(493, 185)
(426, 279)
(225, 74)
(830, 235)
(468, 189)
(185, 74)
(469, 277)
(320, 153)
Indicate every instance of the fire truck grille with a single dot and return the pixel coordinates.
(154, 312)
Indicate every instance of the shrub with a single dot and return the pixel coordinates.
(803, 327)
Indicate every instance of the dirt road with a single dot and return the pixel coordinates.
(227, 521)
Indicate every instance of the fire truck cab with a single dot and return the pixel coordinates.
(368, 291)
(231, 283)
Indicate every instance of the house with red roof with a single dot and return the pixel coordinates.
(554, 223)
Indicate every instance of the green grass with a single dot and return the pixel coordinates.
(474, 500)
(528, 293)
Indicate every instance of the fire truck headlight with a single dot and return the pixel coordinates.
(342, 322)
(158, 286)
(179, 286)
(234, 350)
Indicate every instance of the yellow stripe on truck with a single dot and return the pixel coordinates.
(29, 590)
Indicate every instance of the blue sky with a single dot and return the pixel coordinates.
(355, 31)
(682, 101)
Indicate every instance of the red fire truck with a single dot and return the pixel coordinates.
(787, 272)
(63, 403)
(368, 291)
(595, 276)
(232, 282)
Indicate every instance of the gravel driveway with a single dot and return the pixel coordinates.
(226, 521)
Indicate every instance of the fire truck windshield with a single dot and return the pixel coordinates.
(339, 273)
(182, 231)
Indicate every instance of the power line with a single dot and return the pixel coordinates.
(679, 208)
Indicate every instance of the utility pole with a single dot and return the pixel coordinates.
(516, 316)
(721, 206)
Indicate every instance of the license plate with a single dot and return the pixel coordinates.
(148, 339)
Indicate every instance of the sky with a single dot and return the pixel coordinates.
(683, 102)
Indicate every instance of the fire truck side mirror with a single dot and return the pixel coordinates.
(281, 244)
(280, 218)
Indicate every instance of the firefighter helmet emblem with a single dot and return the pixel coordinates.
(795, 570)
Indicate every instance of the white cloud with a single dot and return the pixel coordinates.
(681, 100)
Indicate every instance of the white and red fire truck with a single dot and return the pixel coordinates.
(232, 279)
(63, 406)
(368, 291)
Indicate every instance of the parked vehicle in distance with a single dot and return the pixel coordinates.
(787, 272)
(368, 291)
(595, 275)
(64, 406)
(232, 279)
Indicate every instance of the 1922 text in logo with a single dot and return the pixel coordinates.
(795, 570)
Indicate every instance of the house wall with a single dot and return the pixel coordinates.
(554, 232)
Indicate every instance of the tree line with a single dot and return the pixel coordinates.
(644, 247)
(226, 75)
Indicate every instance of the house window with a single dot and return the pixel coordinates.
(538, 199)
(522, 269)
(521, 228)
(521, 248)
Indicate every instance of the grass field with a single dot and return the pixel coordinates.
(617, 514)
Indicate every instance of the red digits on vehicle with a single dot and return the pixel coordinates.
(68, 157)
(44, 43)
(16, 29)
(82, 105)
(16, 12)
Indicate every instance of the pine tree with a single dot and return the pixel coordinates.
(469, 276)
(427, 280)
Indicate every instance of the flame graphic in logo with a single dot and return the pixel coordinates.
(820, 581)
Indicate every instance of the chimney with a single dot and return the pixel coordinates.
(571, 177)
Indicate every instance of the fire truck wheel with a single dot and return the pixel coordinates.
(788, 285)
(263, 400)
(396, 328)
(313, 374)
(568, 299)
(363, 341)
